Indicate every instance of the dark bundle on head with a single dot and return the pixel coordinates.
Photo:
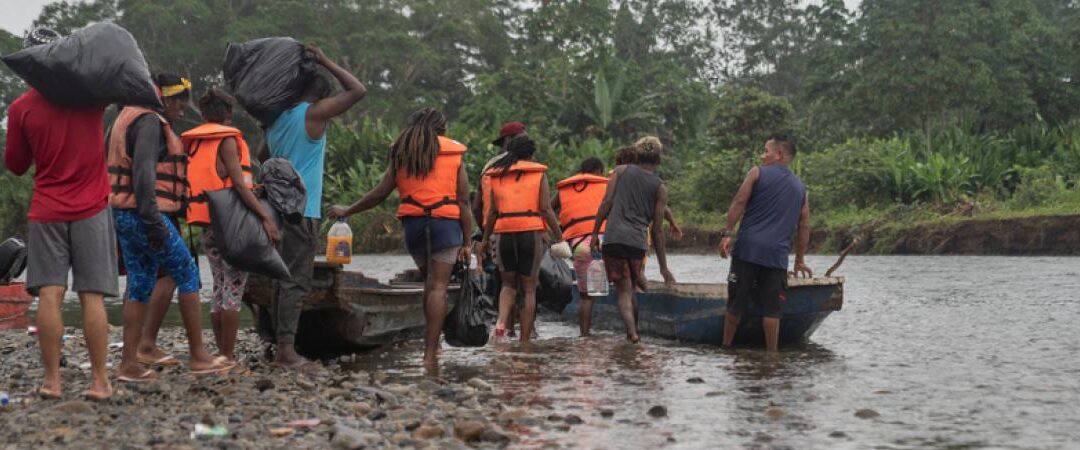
(416, 147)
(519, 148)
(625, 155)
(592, 165)
(216, 106)
(787, 143)
(166, 80)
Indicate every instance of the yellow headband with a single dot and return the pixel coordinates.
(169, 91)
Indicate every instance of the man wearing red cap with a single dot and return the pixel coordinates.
(508, 131)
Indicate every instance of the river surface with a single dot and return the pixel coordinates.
(949, 352)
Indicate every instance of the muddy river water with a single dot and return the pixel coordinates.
(928, 352)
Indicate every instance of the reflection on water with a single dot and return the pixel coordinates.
(950, 352)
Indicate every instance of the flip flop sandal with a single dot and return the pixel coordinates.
(97, 398)
(219, 367)
(164, 361)
(146, 377)
(46, 395)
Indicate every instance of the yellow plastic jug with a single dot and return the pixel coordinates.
(339, 243)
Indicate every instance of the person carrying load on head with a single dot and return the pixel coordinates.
(299, 136)
(635, 201)
(577, 199)
(427, 171)
(771, 204)
(70, 225)
(218, 158)
(519, 205)
(148, 171)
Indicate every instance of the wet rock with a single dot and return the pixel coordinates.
(305, 384)
(714, 393)
(695, 380)
(429, 432)
(72, 408)
(479, 384)
(658, 411)
(379, 377)
(574, 419)
(494, 437)
(519, 400)
(377, 415)
(153, 387)
(838, 435)
(333, 393)
(346, 438)
(607, 413)
(513, 414)
(446, 393)
(381, 395)
(775, 413)
(866, 413)
(555, 418)
(469, 430)
(427, 385)
(361, 408)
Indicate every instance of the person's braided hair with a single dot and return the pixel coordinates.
(417, 146)
(520, 147)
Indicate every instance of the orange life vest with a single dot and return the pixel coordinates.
(202, 144)
(516, 193)
(579, 200)
(435, 193)
(171, 186)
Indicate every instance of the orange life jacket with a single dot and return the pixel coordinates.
(516, 193)
(171, 186)
(435, 193)
(579, 200)
(202, 144)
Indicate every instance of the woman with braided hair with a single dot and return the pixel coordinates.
(427, 171)
(520, 214)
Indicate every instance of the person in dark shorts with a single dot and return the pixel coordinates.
(428, 172)
(518, 207)
(771, 204)
(634, 202)
(71, 227)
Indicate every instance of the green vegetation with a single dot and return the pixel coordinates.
(923, 111)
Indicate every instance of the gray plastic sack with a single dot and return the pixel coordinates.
(240, 238)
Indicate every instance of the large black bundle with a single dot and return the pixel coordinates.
(97, 65)
(556, 287)
(467, 323)
(268, 76)
(239, 235)
(12, 259)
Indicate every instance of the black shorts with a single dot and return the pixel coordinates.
(519, 253)
(749, 283)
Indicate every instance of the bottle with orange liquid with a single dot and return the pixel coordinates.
(339, 243)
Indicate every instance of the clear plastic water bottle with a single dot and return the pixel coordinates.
(596, 280)
(339, 243)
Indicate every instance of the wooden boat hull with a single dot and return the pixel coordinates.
(345, 311)
(695, 312)
(14, 306)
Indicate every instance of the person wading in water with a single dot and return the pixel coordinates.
(219, 159)
(518, 207)
(577, 199)
(635, 199)
(427, 171)
(771, 203)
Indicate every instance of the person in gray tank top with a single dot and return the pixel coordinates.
(771, 204)
(634, 201)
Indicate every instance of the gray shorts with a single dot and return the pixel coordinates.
(86, 248)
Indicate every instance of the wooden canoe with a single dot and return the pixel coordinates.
(694, 312)
(345, 311)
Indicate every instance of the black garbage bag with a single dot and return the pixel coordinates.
(467, 324)
(268, 75)
(12, 259)
(239, 235)
(556, 287)
(97, 65)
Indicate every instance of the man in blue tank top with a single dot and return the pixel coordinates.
(299, 135)
(772, 204)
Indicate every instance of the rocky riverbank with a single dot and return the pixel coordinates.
(328, 407)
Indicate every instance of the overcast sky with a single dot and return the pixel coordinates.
(18, 14)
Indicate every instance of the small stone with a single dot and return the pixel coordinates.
(866, 413)
(774, 413)
(658, 411)
(838, 434)
(74, 407)
(695, 380)
(446, 393)
(377, 415)
(469, 430)
(512, 414)
(714, 393)
(429, 432)
(305, 384)
(346, 438)
(333, 393)
(574, 419)
(494, 437)
(479, 384)
(427, 385)
(361, 408)
(281, 432)
(607, 413)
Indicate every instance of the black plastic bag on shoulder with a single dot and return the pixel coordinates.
(468, 322)
(556, 286)
(12, 259)
(268, 75)
(240, 238)
(97, 65)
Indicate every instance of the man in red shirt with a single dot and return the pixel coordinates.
(71, 227)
